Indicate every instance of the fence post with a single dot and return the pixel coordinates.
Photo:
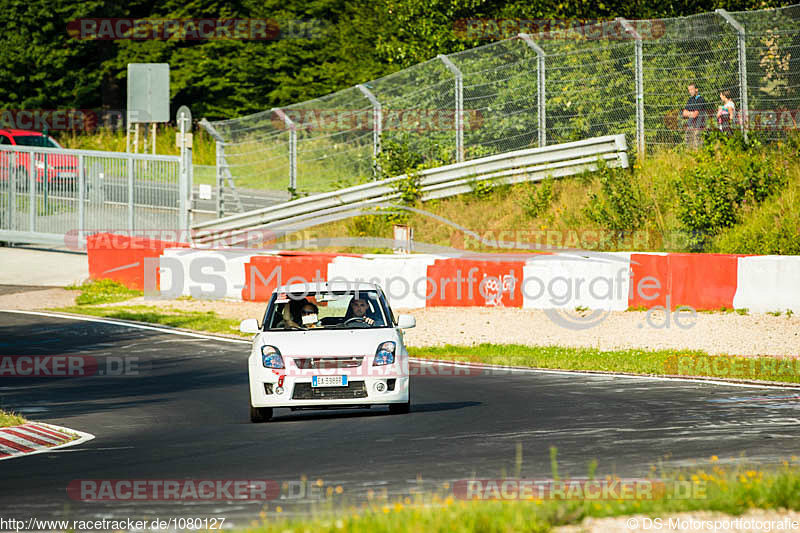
(130, 195)
(459, 96)
(292, 147)
(32, 207)
(540, 85)
(220, 178)
(377, 125)
(12, 191)
(639, 83)
(742, 47)
(81, 199)
(183, 181)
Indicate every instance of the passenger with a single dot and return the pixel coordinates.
(309, 315)
(288, 321)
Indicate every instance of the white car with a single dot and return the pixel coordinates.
(328, 345)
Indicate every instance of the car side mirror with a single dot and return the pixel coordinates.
(406, 321)
(249, 325)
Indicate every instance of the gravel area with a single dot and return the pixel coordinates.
(715, 333)
(753, 521)
(36, 298)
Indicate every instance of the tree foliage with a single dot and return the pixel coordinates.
(43, 67)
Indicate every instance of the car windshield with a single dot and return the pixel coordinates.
(327, 310)
(38, 141)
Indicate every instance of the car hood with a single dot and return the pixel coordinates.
(332, 342)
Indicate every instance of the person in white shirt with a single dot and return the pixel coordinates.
(726, 114)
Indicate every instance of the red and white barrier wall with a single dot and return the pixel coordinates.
(613, 281)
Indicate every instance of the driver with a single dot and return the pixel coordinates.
(358, 309)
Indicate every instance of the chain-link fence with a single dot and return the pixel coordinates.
(533, 89)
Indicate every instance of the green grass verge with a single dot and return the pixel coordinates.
(731, 490)
(10, 419)
(645, 362)
(660, 362)
(103, 291)
(204, 321)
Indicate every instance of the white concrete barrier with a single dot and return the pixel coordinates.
(768, 283)
(567, 281)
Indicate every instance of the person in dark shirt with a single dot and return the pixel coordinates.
(695, 115)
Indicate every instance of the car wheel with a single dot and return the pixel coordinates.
(260, 414)
(401, 408)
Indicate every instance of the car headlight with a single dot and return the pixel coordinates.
(385, 354)
(271, 357)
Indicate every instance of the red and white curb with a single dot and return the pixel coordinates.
(37, 437)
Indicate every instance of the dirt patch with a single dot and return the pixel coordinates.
(714, 333)
(38, 299)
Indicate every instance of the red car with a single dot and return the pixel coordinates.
(61, 170)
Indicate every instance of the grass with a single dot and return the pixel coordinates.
(561, 217)
(203, 145)
(10, 419)
(204, 321)
(102, 292)
(732, 490)
(645, 362)
(95, 294)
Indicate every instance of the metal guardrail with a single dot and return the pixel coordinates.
(47, 194)
(513, 167)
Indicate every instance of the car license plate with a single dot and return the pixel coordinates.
(329, 381)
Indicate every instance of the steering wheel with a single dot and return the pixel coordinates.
(354, 319)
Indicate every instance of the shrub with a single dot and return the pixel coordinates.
(729, 177)
(620, 205)
(539, 199)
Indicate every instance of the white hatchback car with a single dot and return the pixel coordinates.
(328, 345)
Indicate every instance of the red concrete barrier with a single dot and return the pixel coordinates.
(484, 283)
(264, 272)
(702, 281)
(121, 257)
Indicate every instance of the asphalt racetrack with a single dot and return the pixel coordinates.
(183, 414)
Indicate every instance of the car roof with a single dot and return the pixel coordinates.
(312, 287)
(22, 133)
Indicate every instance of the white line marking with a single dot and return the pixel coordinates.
(572, 373)
(414, 359)
(127, 324)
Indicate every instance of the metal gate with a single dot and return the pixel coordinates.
(49, 195)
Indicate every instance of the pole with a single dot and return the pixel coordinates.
(377, 126)
(540, 87)
(459, 98)
(639, 83)
(292, 147)
(742, 48)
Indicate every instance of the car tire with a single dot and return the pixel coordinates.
(401, 408)
(260, 414)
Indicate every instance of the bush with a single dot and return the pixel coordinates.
(539, 199)
(729, 178)
(620, 205)
(772, 229)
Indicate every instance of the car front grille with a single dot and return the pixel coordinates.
(304, 391)
(311, 363)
